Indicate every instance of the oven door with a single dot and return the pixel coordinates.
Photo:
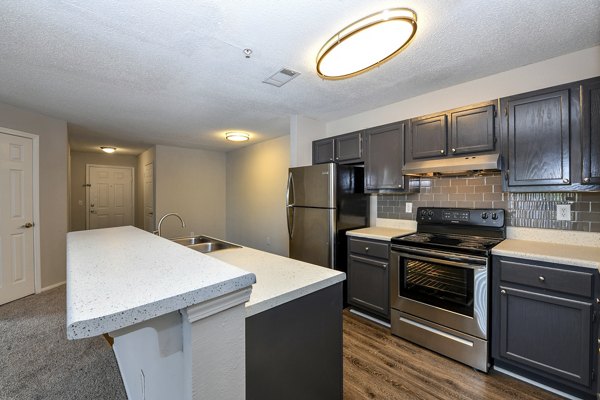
(449, 289)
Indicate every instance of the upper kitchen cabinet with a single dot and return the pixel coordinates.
(465, 130)
(472, 130)
(322, 151)
(343, 149)
(384, 158)
(429, 136)
(590, 141)
(539, 131)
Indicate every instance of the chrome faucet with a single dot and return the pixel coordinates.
(157, 231)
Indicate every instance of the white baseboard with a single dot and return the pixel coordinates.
(534, 383)
(46, 288)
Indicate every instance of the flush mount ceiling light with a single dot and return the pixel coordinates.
(237, 136)
(366, 43)
(108, 149)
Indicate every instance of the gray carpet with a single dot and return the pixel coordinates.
(38, 362)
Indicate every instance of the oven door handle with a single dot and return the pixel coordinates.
(442, 261)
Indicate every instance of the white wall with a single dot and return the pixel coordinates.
(256, 185)
(79, 160)
(53, 186)
(303, 131)
(564, 69)
(142, 160)
(191, 183)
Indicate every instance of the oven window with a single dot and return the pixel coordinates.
(440, 285)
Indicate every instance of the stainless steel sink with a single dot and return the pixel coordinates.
(204, 244)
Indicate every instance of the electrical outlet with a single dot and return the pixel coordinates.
(408, 207)
(563, 212)
(268, 240)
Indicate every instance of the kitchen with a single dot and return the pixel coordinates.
(226, 214)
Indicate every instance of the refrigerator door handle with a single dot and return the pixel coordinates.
(290, 216)
(289, 201)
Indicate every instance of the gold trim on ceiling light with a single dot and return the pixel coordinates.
(398, 21)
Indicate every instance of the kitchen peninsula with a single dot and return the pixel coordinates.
(182, 323)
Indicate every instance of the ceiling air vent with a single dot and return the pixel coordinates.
(281, 77)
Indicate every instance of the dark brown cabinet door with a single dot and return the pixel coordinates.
(539, 138)
(348, 147)
(590, 109)
(472, 130)
(368, 283)
(547, 333)
(384, 157)
(429, 136)
(322, 151)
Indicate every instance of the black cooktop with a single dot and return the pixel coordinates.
(464, 230)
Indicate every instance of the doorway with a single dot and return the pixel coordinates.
(19, 266)
(109, 200)
(149, 220)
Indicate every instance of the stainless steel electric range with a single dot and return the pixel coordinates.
(439, 281)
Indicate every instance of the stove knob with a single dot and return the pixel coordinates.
(494, 216)
(484, 215)
(430, 213)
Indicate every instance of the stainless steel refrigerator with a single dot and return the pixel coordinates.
(323, 202)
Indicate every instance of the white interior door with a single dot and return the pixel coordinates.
(16, 218)
(149, 197)
(110, 200)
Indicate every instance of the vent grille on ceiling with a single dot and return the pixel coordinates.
(281, 77)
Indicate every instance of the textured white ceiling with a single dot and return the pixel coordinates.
(136, 73)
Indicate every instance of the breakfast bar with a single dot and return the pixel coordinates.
(182, 320)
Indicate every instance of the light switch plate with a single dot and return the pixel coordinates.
(408, 207)
(563, 212)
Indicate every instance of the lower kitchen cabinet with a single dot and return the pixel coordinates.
(368, 276)
(544, 323)
(294, 350)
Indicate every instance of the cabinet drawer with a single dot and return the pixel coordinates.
(558, 280)
(370, 248)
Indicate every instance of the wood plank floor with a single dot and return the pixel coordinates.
(378, 365)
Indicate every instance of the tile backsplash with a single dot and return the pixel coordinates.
(532, 210)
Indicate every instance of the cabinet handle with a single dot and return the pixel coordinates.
(442, 151)
(542, 279)
(503, 291)
(586, 180)
(454, 150)
(566, 180)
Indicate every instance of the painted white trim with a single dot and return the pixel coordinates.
(87, 191)
(534, 383)
(203, 310)
(37, 261)
(54, 286)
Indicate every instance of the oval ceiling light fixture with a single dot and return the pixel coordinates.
(366, 43)
(108, 149)
(237, 136)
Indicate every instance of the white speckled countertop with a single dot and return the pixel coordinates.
(278, 279)
(379, 232)
(565, 247)
(117, 277)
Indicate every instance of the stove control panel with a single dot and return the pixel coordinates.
(493, 217)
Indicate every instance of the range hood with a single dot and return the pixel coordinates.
(457, 166)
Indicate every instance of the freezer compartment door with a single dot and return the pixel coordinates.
(312, 235)
(312, 186)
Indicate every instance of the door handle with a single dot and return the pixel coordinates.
(27, 225)
(92, 211)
